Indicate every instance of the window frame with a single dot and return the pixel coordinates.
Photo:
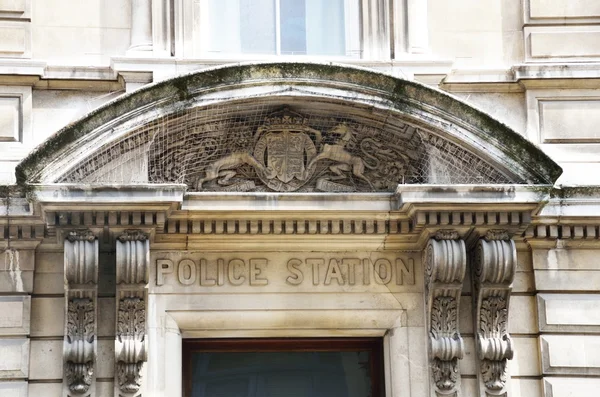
(191, 37)
(374, 345)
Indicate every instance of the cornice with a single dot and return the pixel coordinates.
(405, 219)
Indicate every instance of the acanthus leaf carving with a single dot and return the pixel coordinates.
(496, 234)
(445, 375)
(133, 252)
(130, 346)
(446, 234)
(494, 374)
(79, 349)
(81, 277)
(81, 235)
(445, 263)
(493, 273)
(133, 235)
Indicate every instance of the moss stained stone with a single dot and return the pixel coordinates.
(408, 97)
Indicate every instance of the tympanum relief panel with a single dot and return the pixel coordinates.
(283, 148)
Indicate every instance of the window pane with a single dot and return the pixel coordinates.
(241, 26)
(293, 27)
(281, 374)
(325, 27)
(257, 26)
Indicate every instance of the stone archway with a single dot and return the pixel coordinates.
(330, 166)
(170, 132)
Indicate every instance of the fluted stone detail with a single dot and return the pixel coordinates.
(445, 262)
(495, 262)
(81, 291)
(133, 259)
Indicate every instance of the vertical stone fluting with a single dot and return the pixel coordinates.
(376, 29)
(141, 25)
(445, 264)
(133, 259)
(81, 291)
(494, 267)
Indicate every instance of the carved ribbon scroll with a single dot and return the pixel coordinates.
(81, 290)
(445, 263)
(133, 259)
(494, 271)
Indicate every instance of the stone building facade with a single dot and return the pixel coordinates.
(416, 176)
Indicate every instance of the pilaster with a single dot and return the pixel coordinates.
(81, 292)
(445, 262)
(494, 268)
(376, 29)
(133, 260)
(417, 24)
(141, 27)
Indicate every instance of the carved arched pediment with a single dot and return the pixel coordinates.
(288, 128)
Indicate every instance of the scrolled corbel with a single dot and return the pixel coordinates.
(81, 283)
(130, 346)
(79, 349)
(445, 262)
(133, 259)
(495, 262)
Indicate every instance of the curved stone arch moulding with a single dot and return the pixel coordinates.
(354, 130)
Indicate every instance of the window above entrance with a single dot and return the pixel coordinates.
(279, 27)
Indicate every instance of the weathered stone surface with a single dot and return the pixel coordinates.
(523, 387)
(45, 389)
(15, 358)
(16, 281)
(526, 361)
(570, 354)
(564, 259)
(565, 280)
(15, 38)
(46, 360)
(539, 168)
(13, 389)
(570, 387)
(560, 43)
(251, 272)
(15, 315)
(10, 122)
(568, 312)
(563, 9)
(558, 118)
(522, 315)
(48, 317)
(106, 362)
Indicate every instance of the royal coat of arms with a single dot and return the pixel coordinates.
(284, 146)
(287, 154)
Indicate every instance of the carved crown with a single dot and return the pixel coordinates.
(285, 118)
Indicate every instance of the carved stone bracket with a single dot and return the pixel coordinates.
(445, 262)
(493, 273)
(133, 260)
(81, 290)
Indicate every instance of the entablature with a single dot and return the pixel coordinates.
(405, 219)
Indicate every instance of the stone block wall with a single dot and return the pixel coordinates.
(567, 281)
(16, 287)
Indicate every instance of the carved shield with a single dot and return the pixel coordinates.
(287, 152)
